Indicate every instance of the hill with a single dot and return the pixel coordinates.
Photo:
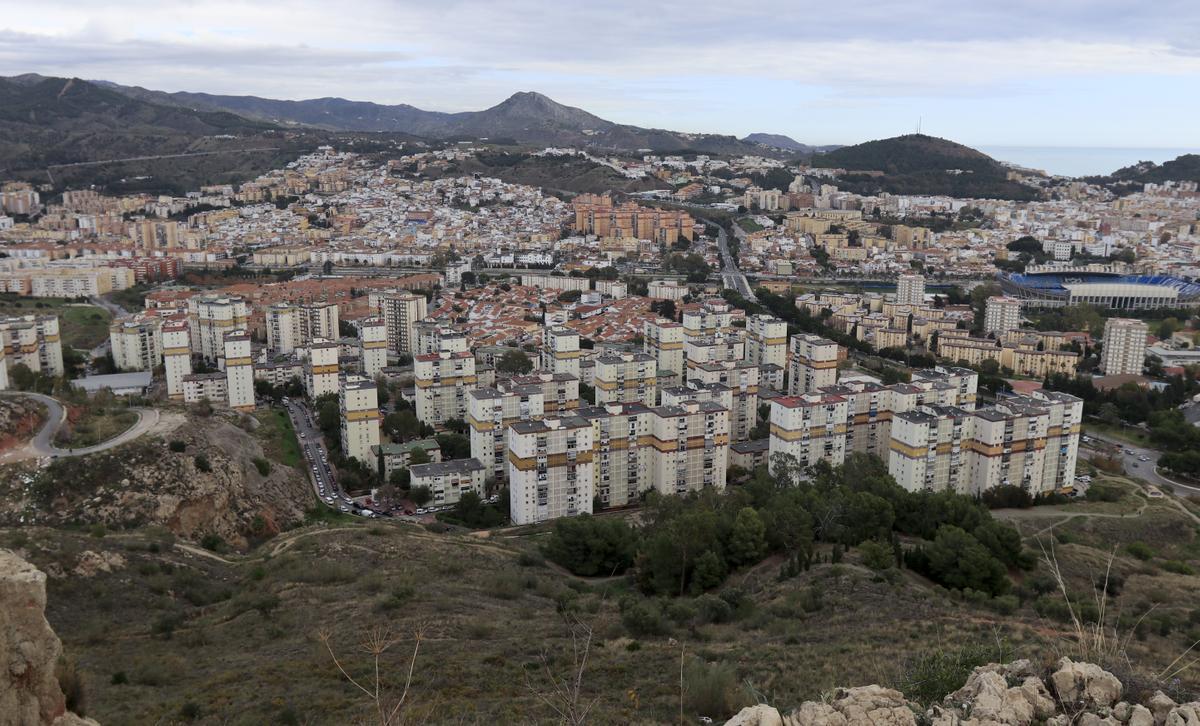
(525, 117)
(920, 164)
(1181, 168)
(46, 122)
(785, 143)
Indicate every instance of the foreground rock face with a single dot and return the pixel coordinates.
(1012, 694)
(29, 690)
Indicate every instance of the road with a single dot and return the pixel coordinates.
(42, 444)
(1131, 457)
(316, 459)
(731, 276)
(163, 156)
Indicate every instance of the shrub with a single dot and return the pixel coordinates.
(98, 531)
(712, 690)
(528, 559)
(177, 446)
(929, 676)
(712, 609)
(212, 542)
(1140, 550)
(263, 466)
(592, 546)
(119, 678)
(73, 687)
(190, 711)
(1104, 493)
(202, 464)
(643, 617)
(1177, 567)
(876, 555)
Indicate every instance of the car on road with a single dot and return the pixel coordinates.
(422, 510)
(1143, 458)
(302, 435)
(1129, 452)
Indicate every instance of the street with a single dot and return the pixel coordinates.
(731, 276)
(1131, 458)
(316, 459)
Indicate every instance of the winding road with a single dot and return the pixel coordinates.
(41, 445)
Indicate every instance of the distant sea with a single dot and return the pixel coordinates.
(1080, 160)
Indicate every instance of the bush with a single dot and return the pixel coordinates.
(643, 617)
(212, 542)
(712, 690)
(1177, 567)
(712, 609)
(811, 599)
(1140, 550)
(1104, 493)
(73, 687)
(929, 676)
(119, 678)
(177, 446)
(592, 546)
(202, 464)
(263, 466)
(876, 555)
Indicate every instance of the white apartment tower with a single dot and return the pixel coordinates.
(1001, 315)
(239, 371)
(400, 314)
(560, 350)
(910, 289)
(626, 378)
(442, 383)
(813, 365)
(663, 339)
(810, 427)
(34, 341)
(372, 345)
(1124, 350)
(210, 317)
(550, 471)
(766, 340)
(177, 356)
(359, 404)
(321, 369)
(136, 343)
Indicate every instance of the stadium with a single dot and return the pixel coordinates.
(1101, 287)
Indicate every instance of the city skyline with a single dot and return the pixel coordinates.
(1024, 75)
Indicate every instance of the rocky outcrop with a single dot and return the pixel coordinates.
(212, 487)
(1012, 694)
(29, 693)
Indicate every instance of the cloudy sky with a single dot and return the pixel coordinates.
(984, 72)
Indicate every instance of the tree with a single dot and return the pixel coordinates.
(514, 361)
(958, 561)
(454, 446)
(710, 572)
(327, 268)
(592, 546)
(417, 455)
(420, 495)
(747, 540)
(401, 478)
(876, 555)
(402, 425)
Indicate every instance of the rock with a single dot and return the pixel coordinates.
(1085, 684)
(986, 698)
(29, 694)
(1160, 705)
(811, 713)
(1140, 716)
(1187, 714)
(760, 715)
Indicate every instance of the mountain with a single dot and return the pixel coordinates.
(786, 143)
(524, 118)
(920, 164)
(48, 122)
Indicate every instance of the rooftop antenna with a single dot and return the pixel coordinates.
(918, 124)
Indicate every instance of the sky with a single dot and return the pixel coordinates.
(1109, 73)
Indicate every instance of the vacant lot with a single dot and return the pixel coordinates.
(277, 436)
(82, 326)
(96, 424)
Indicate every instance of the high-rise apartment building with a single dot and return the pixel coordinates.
(359, 403)
(372, 346)
(400, 312)
(322, 368)
(813, 365)
(766, 340)
(690, 447)
(442, 382)
(809, 427)
(436, 336)
(136, 343)
(177, 355)
(550, 469)
(210, 317)
(290, 326)
(34, 341)
(560, 350)
(624, 452)
(707, 318)
(1001, 314)
(663, 339)
(1124, 350)
(740, 380)
(239, 370)
(521, 398)
(626, 378)
(598, 215)
(910, 289)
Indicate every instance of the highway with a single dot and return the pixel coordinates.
(731, 276)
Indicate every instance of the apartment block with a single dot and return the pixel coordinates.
(400, 314)
(560, 350)
(136, 343)
(1124, 350)
(490, 411)
(690, 447)
(436, 336)
(177, 355)
(910, 289)
(624, 452)
(211, 387)
(321, 369)
(290, 326)
(358, 401)
(34, 341)
(717, 348)
(210, 317)
(442, 383)
(1001, 315)
(626, 378)
(393, 457)
(708, 318)
(239, 371)
(766, 340)
(447, 481)
(741, 379)
(809, 427)
(813, 365)
(550, 471)
(372, 346)
(663, 339)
